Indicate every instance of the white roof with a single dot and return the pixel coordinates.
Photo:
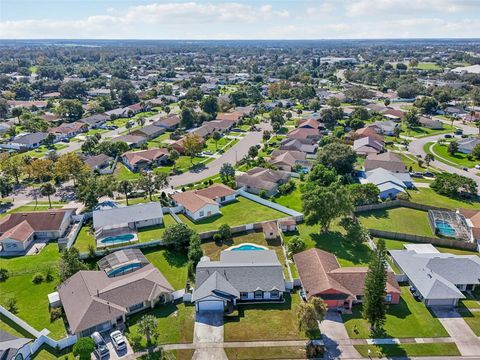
(53, 297)
(421, 248)
(128, 214)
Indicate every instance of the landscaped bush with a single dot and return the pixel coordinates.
(55, 313)
(3, 274)
(49, 275)
(295, 245)
(38, 278)
(287, 187)
(225, 231)
(11, 304)
(217, 238)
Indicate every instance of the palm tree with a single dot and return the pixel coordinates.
(216, 136)
(47, 190)
(148, 326)
(125, 187)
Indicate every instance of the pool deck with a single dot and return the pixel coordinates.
(101, 244)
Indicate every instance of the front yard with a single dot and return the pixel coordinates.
(410, 318)
(257, 322)
(239, 212)
(408, 350)
(427, 196)
(401, 220)
(31, 296)
(267, 353)
(458, 159)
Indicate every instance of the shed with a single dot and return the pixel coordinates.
(54, 300)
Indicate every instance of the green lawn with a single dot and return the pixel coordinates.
(402, 220)
(28, 295)
(175, 324)
(46, 352)
(172, 264)
(292, 200)
(242, 211)
(256, 322)
(267, 353)
(158, 142)
(42, 150)
(421, 131)
(428, 66)
(440, 152)
(85, 238)
(408, 350)
(33, 208)
(123, 173)
(410, 318)
(410, 161)
(427, 196)
(398, 245)
(347, 252)
(10, 327)
(210, 144)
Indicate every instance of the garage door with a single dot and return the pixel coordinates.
(441, 302)
(210, 306)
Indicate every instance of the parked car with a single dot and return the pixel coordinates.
(448, 136)
(101, 349)
(66, 140)
(428, 174)
(477, 166)
(465, 169)
(458, 131)
(118, 340)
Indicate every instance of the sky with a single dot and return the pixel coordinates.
(241, 19)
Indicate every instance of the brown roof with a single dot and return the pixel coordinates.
(90, 298)
(38, 221)
(21, 232)
(368, 131)
(472, 215)
(270, 227)
(388, 161)
(287, 222)
(394, 112)
(303, 133)
(319, 271)
(233, 116)
(215, 191)
(192, 201)
(171, 120)
(262, 178)
(312, 123)
(135, 157)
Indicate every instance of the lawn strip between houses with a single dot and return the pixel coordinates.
(266, 353)
(408, 350)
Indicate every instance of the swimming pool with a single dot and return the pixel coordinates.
(124, 269)
(247, 247)
(444, 228)
(117, 239)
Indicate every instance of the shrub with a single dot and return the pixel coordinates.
(49, 275)
(55, 313)
(38, 278)
(225, 231)
(11, 304)
(91, 251)
(3, 274)
(295, 245)
(217, 237)
(403, 196)
(263, 194)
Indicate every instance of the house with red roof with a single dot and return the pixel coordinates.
(144, 159)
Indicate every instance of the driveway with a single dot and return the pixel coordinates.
(467, 342)
(333, 332)
(207, 332)
(232, 156)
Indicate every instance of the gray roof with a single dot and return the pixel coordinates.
(436, 275)
(10, 344)
(381, 176)
(128, 214)
(468, 143)
(30, 139)
(245, 271)
(388, 161)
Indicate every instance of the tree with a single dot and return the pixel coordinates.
(355, 231)
(112, 148)
(187, 118)
(396, 131)
(129, 126)
(91, 187)
(5, 186)
(193, 145)
(125, 187)
(227, 172)
(209, 104)
(363, 194)
(476, 151)
(177, 236)
(72, 90)
(70, 166)
(3, 108)
(40, 169)
(321, 175)
(252, 152)
(216, 136)
(295, 245)
(277, 119)
(454, 185)
(195, 253)
(360, 113)
(452, 147)
(374, 308)
(266, 136)
(70, 109)
(148, 327)
(331, 116)
(48, 189)
(311, 313)
(83, 348)
(429, 158)
(428, 104)
(12, 166)
(225, 231)
(358, 93)
(321, 205)
(70, 263)
(411, 118)
(340, 157)
(173, 156)
(151, 182)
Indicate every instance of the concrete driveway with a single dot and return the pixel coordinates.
(467, 342)
(333, 331)
(208, 336)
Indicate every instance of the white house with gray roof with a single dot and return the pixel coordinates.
(240, 276)
(389, 183)
(438, 278)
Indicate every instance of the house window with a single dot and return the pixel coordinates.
(136, 307)
(244, 295)
(388, 298)
(274, 294)
(201, 213)
(258, 294)
(222, 198)
(359, 297)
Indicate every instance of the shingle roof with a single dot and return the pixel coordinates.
(192, 201)
(261, 178)
(388, 161)
(135, 157)
(127, 214)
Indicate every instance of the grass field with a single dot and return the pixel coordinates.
(410, 318)
(402, 220)
(441, 154)
(172, 264)
(408, 350)
(242, 211)
(267, 353)
(292, 200)
(427, 196)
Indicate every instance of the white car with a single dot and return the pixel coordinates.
(118, 340)
(477, 166)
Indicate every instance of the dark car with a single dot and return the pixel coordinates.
(101, 349)
(448, 136)
(428, 174)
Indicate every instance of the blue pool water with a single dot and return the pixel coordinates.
(247, 247)
(117, 239)
(123, 269)
(444, 228)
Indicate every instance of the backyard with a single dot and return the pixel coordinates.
(239, 212)
(427, 196)
(256, 322)
(410, 318)
(401, 220)
(30, 296)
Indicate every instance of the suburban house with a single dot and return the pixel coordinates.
(126, 219)
(203, 203)
(116, 113)
(13, 347)
(309, 123)
(95, 121)
(149, 131)
(438, 278)
(393, 114)
(101, 300)
(339, 287)
(258, 180)
(169, 123)
(304, 133)
(467, 145)
(98, 162)
(368, 145)
(68, 130)
(387, 127)
(238, 277)
(387, 160)
(232, 117)
(19, 230)
(131, 140)
(144, 159)
(471, 218)
(305, 146)
(25, 141)
(389, 183)
(369, 131)
(290, 160)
